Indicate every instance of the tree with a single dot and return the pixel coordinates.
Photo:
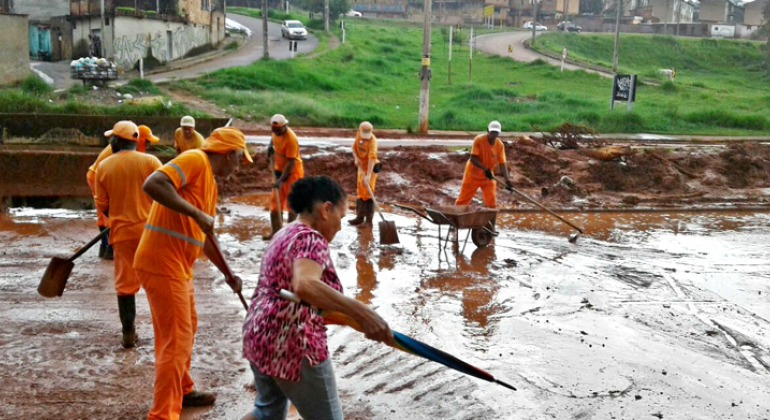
(336, 7)
(591, 6)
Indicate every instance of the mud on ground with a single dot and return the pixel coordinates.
(609, 177)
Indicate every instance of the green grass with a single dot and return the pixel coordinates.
(34, 96)
(374, 77)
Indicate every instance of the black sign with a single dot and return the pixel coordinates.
(624, 88)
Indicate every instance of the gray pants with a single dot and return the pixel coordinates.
(315, 394)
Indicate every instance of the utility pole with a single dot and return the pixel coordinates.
(265, 53)
(534, 22)
(617, 38)
(678, 15)
(425, 67)
(449, 61)
(665, 19)
(103, 33)
(326, 16)
(470, 60)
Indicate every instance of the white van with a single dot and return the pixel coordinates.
(722, 31)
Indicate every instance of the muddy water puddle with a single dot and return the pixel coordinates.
(650, 314)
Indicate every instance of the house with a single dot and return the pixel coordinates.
(132, 29)
(752, 14)
(14, 56)
(50, 34)
(721, 12)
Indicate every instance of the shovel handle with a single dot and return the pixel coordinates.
(88, 246)
(275, 190)
(524, 196)
(225, 267)
(376, 205)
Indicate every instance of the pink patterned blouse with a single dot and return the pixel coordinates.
(278, 334)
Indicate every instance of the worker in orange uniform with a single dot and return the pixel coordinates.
(185, 137)
(365, 156)
(284, 147)
(119, 195)
(488, 152)
(180, 225)
(145, 135)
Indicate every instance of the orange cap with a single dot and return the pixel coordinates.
(145, 133)
(124, 129)
(225, 139)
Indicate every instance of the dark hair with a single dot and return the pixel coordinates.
(118, 143)
(314, 189)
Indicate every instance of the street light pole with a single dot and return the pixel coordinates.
(265, 53)
(425, 68)
(617, 38)
(326, 16)
(534, 22)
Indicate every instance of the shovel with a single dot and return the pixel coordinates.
(58, 272)
(276, 194)
(388, 232)
(572, 238)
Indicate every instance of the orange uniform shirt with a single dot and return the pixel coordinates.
(171, 241)
(118, 184)
(365, 150)
(91, 175)
(183, 144)
(489, 155)
(286, 147)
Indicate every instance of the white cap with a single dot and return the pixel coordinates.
(494, 126)
(279, 120)
(188, 121)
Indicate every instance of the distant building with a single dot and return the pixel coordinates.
(721, 12)
(14, 56)
(752, 15)
(663, 11)
(165, 29)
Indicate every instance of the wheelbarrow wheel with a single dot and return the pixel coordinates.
(481, 237)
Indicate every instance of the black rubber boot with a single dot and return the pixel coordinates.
(127, 310)
(198, 399)
(359, 213)
(105, 242)
(368, 213)
(275, 225)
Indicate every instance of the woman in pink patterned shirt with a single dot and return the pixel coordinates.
(285, 342)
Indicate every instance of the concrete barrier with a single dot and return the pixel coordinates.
(35, 126)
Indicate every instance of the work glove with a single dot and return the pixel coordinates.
(488, 173)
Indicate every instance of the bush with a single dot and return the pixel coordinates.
(669, 87)
(726, 119)
(35, 85)
(231, 46)
(622, 122)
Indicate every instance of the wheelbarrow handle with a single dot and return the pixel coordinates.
(88, 246)
(412, 209)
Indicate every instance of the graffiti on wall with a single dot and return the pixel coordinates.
(128, 49)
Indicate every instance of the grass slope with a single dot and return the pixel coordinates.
(374, 77)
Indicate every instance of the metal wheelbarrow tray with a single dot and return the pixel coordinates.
(479, 220)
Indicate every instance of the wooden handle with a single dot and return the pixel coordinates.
(371, 194)
(88, 246)
(226, 268)
(275, 190)
(524, 196)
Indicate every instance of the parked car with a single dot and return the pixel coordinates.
(353, 13)
(293, 29)
(568, 26)
(538, 27)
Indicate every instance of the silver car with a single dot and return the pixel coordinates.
(293, 29)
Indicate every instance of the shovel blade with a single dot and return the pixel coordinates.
(55, 278)
(388, 233)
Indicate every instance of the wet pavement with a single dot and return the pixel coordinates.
(655, 315)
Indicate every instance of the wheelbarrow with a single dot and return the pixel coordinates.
(480, 222)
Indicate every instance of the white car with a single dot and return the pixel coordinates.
(353, 13)
(538, 27)
(293, 29)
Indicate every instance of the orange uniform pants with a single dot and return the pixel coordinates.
(126, 281)
(471, 185)
(174, 321)
(283, 192)
(361, 190)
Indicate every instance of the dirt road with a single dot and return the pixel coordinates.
(498, 44)
(662, 315)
